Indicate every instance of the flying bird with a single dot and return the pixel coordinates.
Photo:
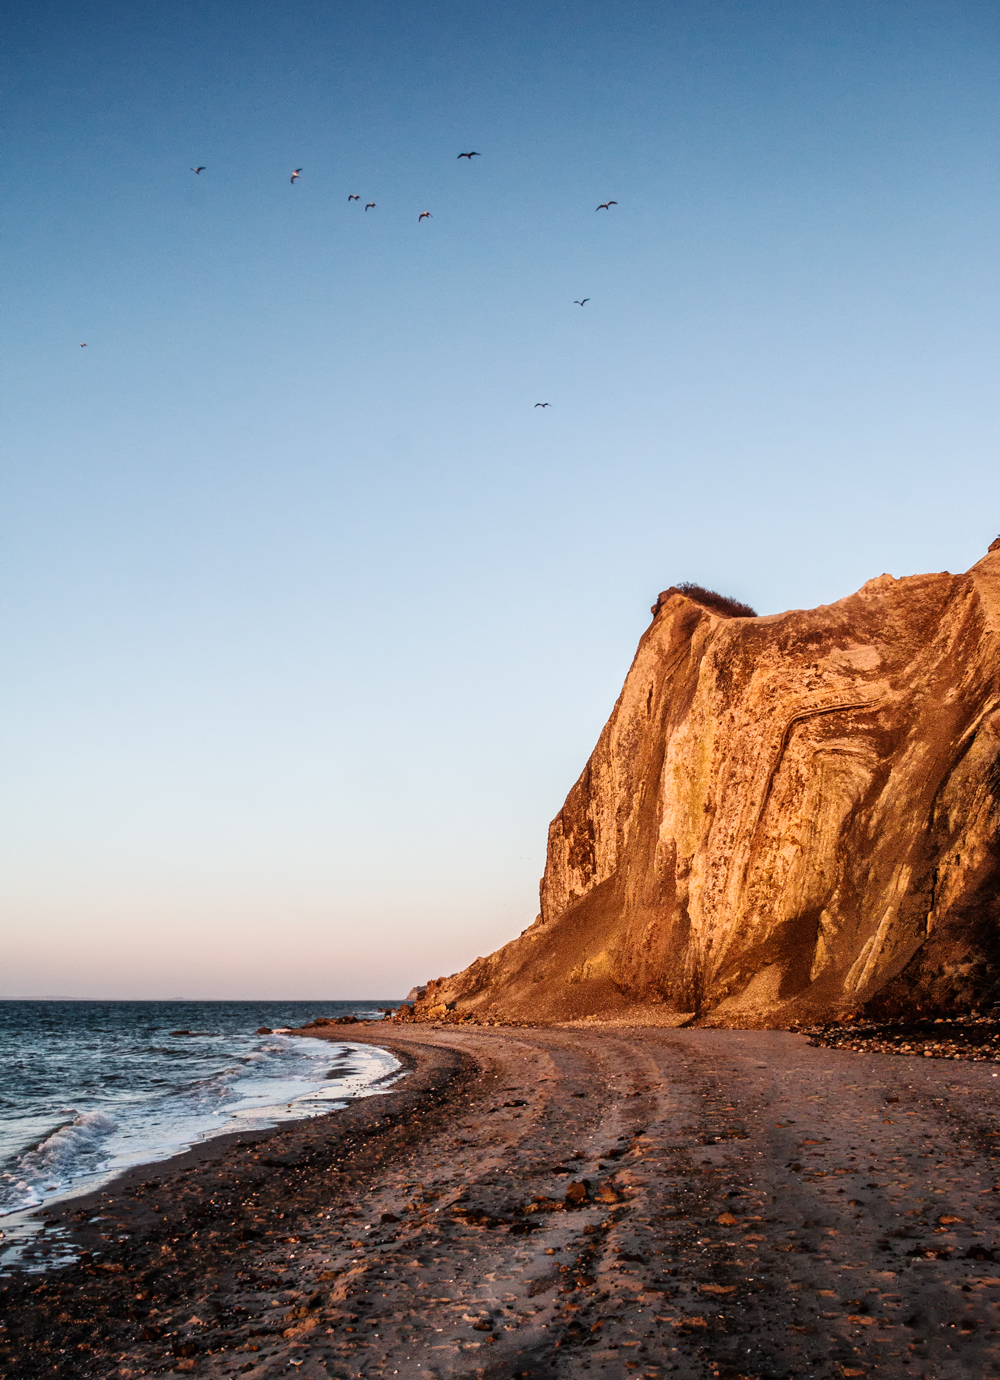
(470, 156)
(605, 205)
(198, 170)
(583, 303)
(83, 344)
(295, 174)
(543, 404)
(370, 206)
(424, 215)
(352, 197)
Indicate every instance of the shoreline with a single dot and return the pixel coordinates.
(129, 1256)
(533, 1201)
(65, 1213)
(62, 1209)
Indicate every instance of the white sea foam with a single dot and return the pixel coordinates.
(67, 1152)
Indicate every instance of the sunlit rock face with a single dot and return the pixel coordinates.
(785, 817)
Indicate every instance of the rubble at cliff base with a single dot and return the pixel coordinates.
(974, 1037)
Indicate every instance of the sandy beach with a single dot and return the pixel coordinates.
(536, 1202)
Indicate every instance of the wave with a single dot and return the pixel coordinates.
(69, 1150)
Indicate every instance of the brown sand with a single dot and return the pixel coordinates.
(754, 1207)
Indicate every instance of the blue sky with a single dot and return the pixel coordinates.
(310, 618)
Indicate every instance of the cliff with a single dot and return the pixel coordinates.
(785, 818)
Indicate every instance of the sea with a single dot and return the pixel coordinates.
(91, 1088)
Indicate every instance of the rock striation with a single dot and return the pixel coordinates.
(786, 818)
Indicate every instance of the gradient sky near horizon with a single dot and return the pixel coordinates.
(309, 617)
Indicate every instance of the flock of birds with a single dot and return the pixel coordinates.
(424, 215)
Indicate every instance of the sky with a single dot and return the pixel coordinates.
(309, 617)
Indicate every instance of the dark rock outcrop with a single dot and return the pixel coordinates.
(786, 817)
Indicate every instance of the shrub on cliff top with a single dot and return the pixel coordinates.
(709, 599)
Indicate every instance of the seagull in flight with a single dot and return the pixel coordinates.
(352, 197)
(424, 215)
(198, 170)
(470, 156)
(605, 205)
(83, 344)
(543, 404)
(370, 206)
(583, 303)
(295, 174)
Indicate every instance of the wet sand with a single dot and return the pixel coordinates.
(552, 1202)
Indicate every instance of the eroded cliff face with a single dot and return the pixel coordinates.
(785, 817)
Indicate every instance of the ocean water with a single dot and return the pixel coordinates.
(88, 1089)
